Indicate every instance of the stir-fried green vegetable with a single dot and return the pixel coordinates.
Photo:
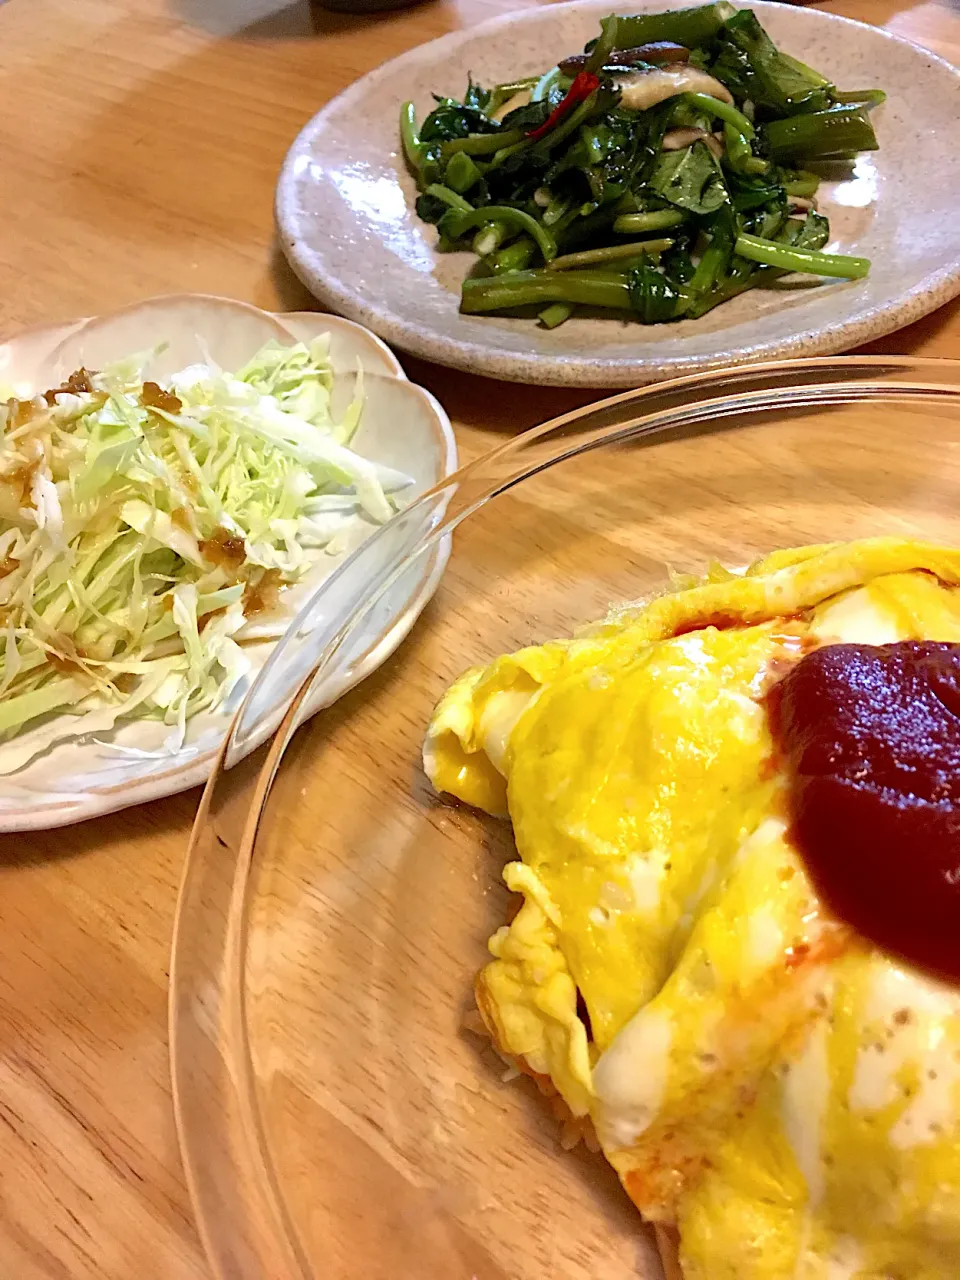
(690, 128)
(141, 526)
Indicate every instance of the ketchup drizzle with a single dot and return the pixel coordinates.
(871, 740)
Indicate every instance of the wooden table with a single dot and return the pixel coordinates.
(140, 142)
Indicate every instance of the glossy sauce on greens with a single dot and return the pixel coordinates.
(871, 737)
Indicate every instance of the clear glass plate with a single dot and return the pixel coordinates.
(336, 1119)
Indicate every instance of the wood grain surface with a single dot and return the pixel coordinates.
(140, 140)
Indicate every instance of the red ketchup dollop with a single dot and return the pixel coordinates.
(871, 738)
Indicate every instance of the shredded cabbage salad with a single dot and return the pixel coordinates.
(141, 526)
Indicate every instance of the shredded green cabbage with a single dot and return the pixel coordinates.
(141, 526)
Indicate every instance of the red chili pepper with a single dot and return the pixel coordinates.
(583, 85)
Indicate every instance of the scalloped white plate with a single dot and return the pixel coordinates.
(347, 224)
(402, 426)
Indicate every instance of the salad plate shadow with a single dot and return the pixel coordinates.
(78, 761)
(347, 223)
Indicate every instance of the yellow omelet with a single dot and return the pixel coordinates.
(778, 1094)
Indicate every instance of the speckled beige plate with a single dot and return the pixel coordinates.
(346, 220)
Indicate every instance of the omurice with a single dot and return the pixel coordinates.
(737, 817)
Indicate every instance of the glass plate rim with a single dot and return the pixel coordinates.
(207, 1008)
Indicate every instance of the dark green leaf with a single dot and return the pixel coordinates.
(814, 232)
(769, 78)
(430, 209)
(678, 265)
(517, 178)
(652, 295)
(476, 96)
(454, 120)
(748, 193)
(576, 157)
(690, 179)
(732, 68)
(528, 118)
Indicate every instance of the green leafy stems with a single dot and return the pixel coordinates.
(569, 199)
